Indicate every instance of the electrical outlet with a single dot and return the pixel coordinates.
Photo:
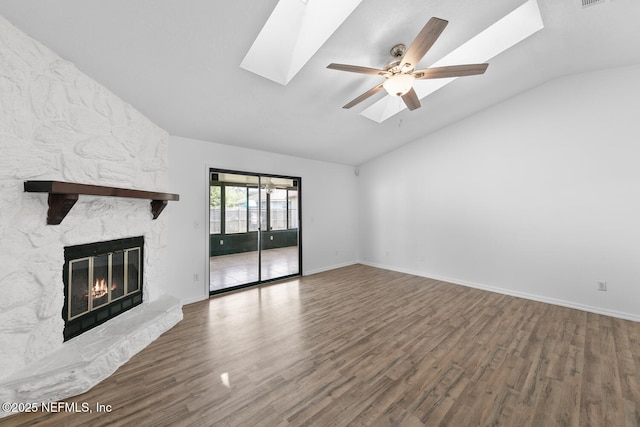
(602, 286)
(196, 277)
(221, 242)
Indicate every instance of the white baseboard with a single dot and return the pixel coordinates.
(331, 267)
(532, 297)
(195, 299)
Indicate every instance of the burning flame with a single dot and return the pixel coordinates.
(99, 289)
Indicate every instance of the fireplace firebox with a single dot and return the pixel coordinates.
(101, 281)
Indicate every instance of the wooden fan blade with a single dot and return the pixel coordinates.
(364, 96)
(450, 71)
(358, 69)
(423, 41)
(411, 100)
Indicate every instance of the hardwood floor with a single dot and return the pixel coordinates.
(359, 346)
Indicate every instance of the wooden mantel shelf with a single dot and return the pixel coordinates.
(63, 195)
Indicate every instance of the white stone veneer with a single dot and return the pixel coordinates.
(58, 124)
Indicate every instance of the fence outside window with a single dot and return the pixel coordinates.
(282, 209)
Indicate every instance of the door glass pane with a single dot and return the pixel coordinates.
(254, 211)
(278, 206)
(133, 270)
(235, 209)
(117, 275)
(78, 298)
(280, 251)
(292, 204)
(215, 209)
(99, 287)
(263, 210)
(233, 248)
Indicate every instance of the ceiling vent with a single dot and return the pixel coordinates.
(588, 3)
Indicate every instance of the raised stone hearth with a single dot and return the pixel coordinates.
(91, 357)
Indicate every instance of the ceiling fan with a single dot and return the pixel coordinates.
(400, 73)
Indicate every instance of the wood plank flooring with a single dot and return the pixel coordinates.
(359, 346)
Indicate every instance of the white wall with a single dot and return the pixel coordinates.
(538, 196)
(329, 214)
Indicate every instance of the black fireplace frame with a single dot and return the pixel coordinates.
(85, 322)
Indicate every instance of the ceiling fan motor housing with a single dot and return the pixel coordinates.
(398, 50)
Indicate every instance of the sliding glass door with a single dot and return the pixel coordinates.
(254, 229)
(279, 233)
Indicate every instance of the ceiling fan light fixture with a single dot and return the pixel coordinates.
(398, 84)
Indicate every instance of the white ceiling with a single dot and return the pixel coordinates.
(177, 61)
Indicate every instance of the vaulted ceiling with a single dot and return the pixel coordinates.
(178, 62)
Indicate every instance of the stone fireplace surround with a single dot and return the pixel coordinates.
(62, 125)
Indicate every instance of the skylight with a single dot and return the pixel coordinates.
(510, 30)
(293, 34)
